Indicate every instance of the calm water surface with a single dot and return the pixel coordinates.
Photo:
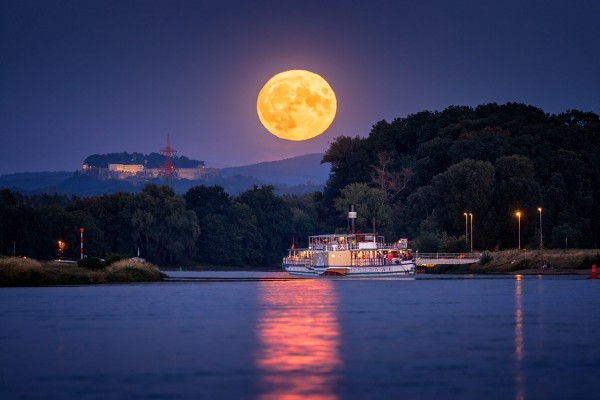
(446, 338)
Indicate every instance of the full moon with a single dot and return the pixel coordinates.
(296, 105)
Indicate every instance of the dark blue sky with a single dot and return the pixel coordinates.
(84, 77)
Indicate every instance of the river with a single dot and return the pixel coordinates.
(448, 337)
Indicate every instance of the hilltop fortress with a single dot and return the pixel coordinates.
(141, 172)
(142, 167)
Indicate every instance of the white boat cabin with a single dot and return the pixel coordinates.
(338, 242)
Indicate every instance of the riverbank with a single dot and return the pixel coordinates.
(220, 268)
(545, 262)
(16, 271)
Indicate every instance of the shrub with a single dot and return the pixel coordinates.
(427, 243)
(91, 263)
(96, 277)
(20, 262)
(589, 261)
(17, 271)
(452, 244)
(27, 272)
(133, 271)
(114, 257)
(485, 258)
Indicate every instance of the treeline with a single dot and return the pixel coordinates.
(205, 225)
(152, 160)
(414, 177)
(423, 172)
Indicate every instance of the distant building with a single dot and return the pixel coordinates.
(126, 169)
(139, 172)
(198, 173)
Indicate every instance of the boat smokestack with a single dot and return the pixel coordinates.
(352, 216)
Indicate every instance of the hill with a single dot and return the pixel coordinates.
(32, 181)
(291, 171)
(296, 175)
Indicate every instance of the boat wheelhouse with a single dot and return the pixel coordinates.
(353, 255)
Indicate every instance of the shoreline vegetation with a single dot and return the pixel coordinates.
(527, 262)
(17, 271)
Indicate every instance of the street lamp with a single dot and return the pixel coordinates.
(518, 214)
(541, 241)
(466, 228)
(471, 231)
(61, 248)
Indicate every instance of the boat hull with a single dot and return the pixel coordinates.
(406, 268)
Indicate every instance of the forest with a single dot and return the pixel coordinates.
(414, 177)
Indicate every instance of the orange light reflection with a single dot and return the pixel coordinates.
(519, 344)
(299, 338)
(518, 320)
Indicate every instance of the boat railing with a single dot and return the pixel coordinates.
(371, 261)
(367, 262)
(333, 247)
(354, 246)
(297, 260)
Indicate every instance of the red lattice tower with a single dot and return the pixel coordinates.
(168, 170)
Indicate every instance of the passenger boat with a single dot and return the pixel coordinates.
(350, 255)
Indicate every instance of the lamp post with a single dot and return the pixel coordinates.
(541, 235)
(518, 214)
(466, 227)
(471, 231)
(61, 248)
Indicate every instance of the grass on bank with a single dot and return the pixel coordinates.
(16, 271)
(133, 271)
(531, 261)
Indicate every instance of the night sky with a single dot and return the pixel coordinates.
(86, 76)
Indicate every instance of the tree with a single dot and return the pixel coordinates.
(373, 212)
(273, 225)
(515, 190)
(453, 244)
(205, 200)
(465, 187)
(429, 237)
(162, 227)
(388, 181)
(350, 163)
(112, 215)
(310, 215)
